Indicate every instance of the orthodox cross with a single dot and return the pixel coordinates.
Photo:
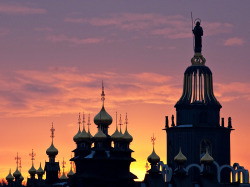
(32, 154)
(63, 164)
(153, 140)
(20, 164)
(52, 132)
(146, 166)
(120, 123)
(103, 94)
(17, 159)
(126, 119)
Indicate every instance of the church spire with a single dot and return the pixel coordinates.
(103, 94)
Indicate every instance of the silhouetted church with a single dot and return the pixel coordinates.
(198, 145)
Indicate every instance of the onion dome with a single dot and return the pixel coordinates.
(153, 158)
(90, 135)
(17, 173)
(83, 136)
(100, 136)
(21, 178)
(63, 177)
(116, 136)
(32, 170)
(76, 137)
(10, 177)
(126, 136)
(103, 118)
(207, 159)
(52, 151)
(40, 170)
(180, 158)
(70, 173)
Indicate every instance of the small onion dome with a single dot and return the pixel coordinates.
(32, 170)
(40, 170)
(52, 151)
(76, 137)
(103, 118)
(207, 159)
(17, 173)
(127, 137)
(90, 135)
(116, 136)
(153, 158)
(63, 177)
(70, 173)
(10, 177)
(100, 135)
(21, 178)
(180, 158)
(83, 136)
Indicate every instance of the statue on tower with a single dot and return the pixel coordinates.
(198, 33)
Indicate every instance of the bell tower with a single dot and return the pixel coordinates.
(198, 116)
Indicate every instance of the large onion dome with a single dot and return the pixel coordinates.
(17, 173)
(52, 151)
(10, 177)
(32, 170)
(153, 158)
(180, 158)
(100, 136)
(40, 170)
(207, 159)
(103, 118)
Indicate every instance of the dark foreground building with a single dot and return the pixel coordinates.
(198, 145)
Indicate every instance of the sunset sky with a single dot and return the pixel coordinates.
(55, 54)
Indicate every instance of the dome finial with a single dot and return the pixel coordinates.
(153, 159)
(153, 139)
(120, 124)
(79, 120)
(83, 121)
(88, 127)
(103, 94)
(52, 132)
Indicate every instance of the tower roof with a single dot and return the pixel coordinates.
(126, 136)
(70, 173)
(10, 176)
(103, 118)
(116, 136)
(153, 158)
(63, 177)
(180, 158)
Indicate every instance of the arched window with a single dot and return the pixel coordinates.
(205, 144)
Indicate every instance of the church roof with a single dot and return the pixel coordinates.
(207, 159)
(63, 177)
(126, 136)
(100, 135)
(32, 170)
(40, 170)
(103, 118)
(70, 173)
(17, 173)
(153, 158)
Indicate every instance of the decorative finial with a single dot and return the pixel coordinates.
(52, 132)
(63, 164)
(120, 123)
(126, 120)
(116, 119)
(88, 122)
(166, 122)
(198, 33)
(146, 166)
(17, 160)
(32, 154)
(103, 94)
(79, 120)
(153, 139)
(83, 120)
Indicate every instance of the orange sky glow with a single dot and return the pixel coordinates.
(54, 58)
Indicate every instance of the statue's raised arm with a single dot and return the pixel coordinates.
(198, 33)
